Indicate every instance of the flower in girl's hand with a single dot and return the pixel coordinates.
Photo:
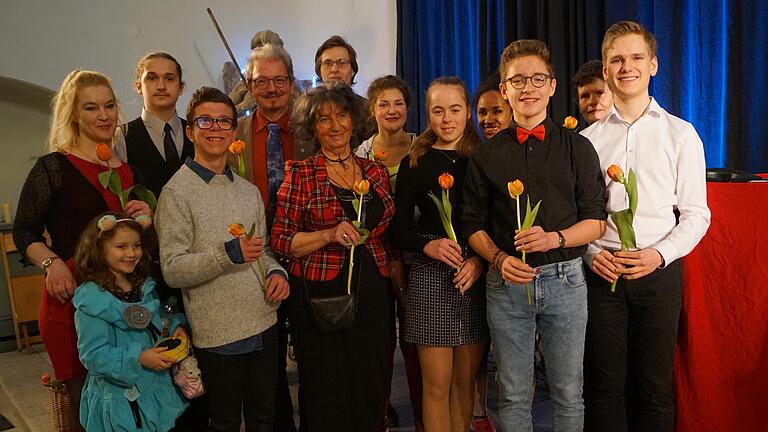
(380, 155)
(445, 180)
(103, 152)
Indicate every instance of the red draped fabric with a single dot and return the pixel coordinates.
(721, 361)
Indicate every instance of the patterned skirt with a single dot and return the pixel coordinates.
(437, 314)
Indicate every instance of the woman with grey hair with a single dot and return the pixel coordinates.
(343, 371)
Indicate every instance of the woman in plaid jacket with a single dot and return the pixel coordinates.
(343, 374)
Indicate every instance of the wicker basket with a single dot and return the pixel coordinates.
(60, 409)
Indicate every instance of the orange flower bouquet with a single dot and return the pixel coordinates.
(623, 219)
(237, 230)
(236, 148)
(361, 188)
(111, 180)
(516, 189)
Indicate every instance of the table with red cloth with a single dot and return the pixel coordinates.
(721, 360)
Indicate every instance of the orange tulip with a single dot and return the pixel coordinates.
(570, 122)
(362, 187)
(380, 155)
(103, 152)
(236, 230)
(45, 379)
(515, 188)
(237, 147)
(616, 174)
(445, 180)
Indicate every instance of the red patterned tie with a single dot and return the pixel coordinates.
(537, 132)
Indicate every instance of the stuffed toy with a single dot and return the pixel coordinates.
(187, 377)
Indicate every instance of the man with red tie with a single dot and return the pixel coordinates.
(561, 169)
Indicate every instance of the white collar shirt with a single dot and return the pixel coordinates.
(667, 156)
(156, 129)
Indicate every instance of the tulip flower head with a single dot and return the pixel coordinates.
(237, 147)
(570, 122)
(515, 188)
(445, 180)
(616, 174)
(380, 155)
(362, 187)
(103, 152)
(236, 230)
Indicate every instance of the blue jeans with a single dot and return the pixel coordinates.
(558, 310)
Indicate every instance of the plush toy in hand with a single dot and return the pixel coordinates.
(187, 377)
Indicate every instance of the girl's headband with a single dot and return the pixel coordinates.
(109, 222)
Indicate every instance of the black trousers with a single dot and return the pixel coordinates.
(283, 403)
(630, 346)
(242, 383)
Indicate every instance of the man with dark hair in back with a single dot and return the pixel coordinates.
(594, 97)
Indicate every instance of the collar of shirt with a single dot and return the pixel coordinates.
(206, 174)
(653, 109)
(157, 124)
(261, 122)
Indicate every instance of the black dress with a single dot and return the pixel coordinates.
(344, 376)
(437, 314)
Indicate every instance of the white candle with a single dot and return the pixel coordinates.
(7, 212)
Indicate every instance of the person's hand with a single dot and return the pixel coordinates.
(535, 239)
(345, 234)
(180, 333)
(605, 267)
(251, 248)
(153, 358)
(470, 271)
(276, 288)
(59, 281)
(516, 271)
(445, 250)
(638, 264)
(136, 208)
(396, 270)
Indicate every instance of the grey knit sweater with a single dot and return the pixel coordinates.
(224, 301)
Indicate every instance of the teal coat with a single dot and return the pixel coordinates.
(110, 350)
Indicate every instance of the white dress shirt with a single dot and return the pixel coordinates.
(156, 129)
(667, 156)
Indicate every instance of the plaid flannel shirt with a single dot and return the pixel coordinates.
(306, 202)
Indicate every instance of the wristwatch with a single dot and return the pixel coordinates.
(47, 262)
(561, 239)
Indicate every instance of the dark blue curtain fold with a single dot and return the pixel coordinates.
(712, 57)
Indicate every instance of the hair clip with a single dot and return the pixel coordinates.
(108, 222)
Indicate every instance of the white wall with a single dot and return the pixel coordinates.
(43, 40)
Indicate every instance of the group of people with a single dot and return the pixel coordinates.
(359, 229)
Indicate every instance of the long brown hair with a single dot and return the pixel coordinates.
(89, 254)
(469, 139)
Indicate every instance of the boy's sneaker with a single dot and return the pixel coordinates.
(483, 424)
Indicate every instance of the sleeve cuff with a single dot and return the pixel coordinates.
(234, 252)
(668, 253)
(279, 272)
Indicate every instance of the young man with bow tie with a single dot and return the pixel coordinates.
(560, 168)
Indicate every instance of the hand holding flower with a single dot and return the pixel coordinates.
(444, 250)
(605, 267)
(470, 271)
(252, 248)
(516, 271)
(535, 239)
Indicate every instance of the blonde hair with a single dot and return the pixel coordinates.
(469, 139)
(65, 132)
(623, 28)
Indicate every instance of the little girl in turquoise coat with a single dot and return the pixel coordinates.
(119, 319)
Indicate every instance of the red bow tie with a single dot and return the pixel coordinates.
(537, 132)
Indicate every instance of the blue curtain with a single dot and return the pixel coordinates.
(712, 57)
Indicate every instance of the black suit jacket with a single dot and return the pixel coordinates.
(144, 155)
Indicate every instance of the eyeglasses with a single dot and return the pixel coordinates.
(278, 81)
(328, 64)
(205, 122)
(537, 80)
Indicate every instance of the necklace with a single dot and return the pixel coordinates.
(341, 161)
(442, 152)
(346, 184)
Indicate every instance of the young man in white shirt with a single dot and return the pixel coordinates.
(631, 332)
